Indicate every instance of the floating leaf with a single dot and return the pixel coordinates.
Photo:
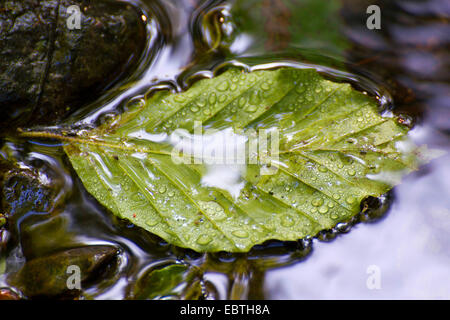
(314, 149)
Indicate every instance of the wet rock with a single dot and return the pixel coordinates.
(22, 190)
(49, 276)
(47, 70)
(29, 182)
(32, 190)
(43, 235)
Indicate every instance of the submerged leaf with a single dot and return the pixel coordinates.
(174, 280)
(334, 150)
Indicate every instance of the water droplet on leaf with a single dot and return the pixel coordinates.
(240, 233)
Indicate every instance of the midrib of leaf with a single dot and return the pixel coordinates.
(297, 151)
(90, 141)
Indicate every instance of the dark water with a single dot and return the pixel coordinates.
(405, 64)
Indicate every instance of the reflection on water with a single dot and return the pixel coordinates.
(404, 64)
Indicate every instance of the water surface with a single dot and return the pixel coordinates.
(403, 64)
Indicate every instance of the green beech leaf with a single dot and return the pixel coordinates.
(334, 150)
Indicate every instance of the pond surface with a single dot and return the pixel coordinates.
(405, 64)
